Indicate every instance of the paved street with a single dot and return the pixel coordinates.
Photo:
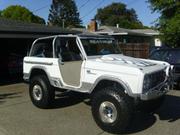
(71, 115)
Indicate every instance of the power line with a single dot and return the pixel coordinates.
(93, 9)
(36, 10)
(84, 4)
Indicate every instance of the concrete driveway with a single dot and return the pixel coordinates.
(71, 115)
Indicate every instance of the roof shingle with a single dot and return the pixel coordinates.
(8, 25)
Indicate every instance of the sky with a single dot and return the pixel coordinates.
(87, 8)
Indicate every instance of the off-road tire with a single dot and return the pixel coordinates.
(123, 104)
(48, 93)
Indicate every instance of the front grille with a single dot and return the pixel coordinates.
(157, 78)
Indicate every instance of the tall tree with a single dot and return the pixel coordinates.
(64, 13)
(17, 12)
(117, 13)
(169, 20)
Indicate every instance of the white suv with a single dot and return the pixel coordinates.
(95, 65)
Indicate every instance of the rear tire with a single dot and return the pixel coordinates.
(112, 109)
(42, 94)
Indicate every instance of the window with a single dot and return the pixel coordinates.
(67, 49)
(100, 46)
(43, 48)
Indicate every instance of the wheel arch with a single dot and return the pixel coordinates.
(104, 81)
(39, 71)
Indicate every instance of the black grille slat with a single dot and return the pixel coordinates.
(157, 78)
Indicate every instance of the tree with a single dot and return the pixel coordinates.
(117, 13)
(17, 12)
(64, 13)
(169, 20)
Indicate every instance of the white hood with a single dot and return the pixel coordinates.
(145, 65)
(121, 59)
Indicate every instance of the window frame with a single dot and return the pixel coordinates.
(35, 43)
(78, 43)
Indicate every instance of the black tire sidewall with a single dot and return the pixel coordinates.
(123, 110)
(47, 91)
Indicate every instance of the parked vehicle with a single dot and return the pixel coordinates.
(171, 56)
(15, 64)
(94, 65)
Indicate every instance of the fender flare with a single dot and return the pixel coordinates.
(43, 69)
(115, 79)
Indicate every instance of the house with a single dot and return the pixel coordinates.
(125, 36)
(131, 35)
(133, 42)
(16, 38)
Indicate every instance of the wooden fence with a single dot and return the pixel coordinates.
(135, 50)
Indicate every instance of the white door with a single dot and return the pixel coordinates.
(70, 60)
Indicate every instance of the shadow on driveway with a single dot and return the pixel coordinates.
(68, 98)
(6, 96)
(169, 111)
(140, 122)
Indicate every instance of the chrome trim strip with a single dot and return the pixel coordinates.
(85, 87)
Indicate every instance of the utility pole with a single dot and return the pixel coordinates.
(63, 22)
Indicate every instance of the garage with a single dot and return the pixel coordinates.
(16, 38)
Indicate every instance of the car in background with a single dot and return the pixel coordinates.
(170, 55)
(15, 64)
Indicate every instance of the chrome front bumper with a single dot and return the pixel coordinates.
(160, 89)
(157, 91)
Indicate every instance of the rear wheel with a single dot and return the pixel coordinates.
(42, 94)
(112, 109)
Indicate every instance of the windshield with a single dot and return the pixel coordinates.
(100, 46)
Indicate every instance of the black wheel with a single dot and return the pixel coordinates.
(151, 105)
(112, 109)
(41, 93)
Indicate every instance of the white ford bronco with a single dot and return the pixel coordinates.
(95, 65)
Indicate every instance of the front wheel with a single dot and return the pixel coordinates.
(41, 92)
(112, 109)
